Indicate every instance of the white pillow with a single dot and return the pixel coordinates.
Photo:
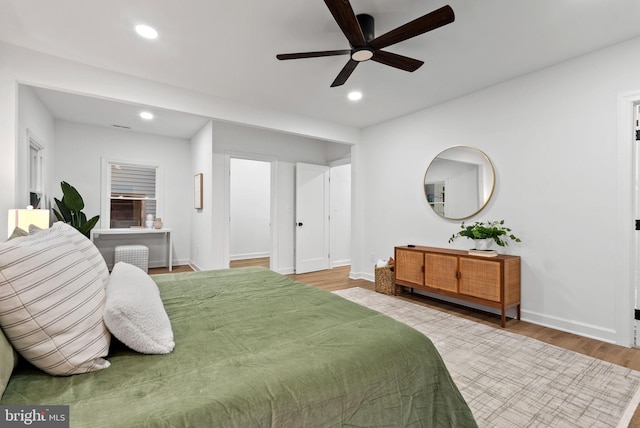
(51, 304)
(134, 312)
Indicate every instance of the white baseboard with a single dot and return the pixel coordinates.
(362, 275)
(163, 263)
(570, 326)
(249, 256)
(338, 263)
(194, 266)
(556, 323)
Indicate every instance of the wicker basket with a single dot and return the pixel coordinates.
(385, 280)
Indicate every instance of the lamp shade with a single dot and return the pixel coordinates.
(24, 218)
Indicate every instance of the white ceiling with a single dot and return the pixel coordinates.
(118, 115)
(228, 48)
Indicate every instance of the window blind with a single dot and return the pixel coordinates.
(133, 195)
(133, 182)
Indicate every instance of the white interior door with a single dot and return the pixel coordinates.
(312, 218)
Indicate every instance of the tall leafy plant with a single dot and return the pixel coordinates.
(70, 210)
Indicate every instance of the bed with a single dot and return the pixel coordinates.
(255, 348)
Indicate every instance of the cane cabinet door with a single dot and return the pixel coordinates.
(441, 271)
(410, 266)
(480, 278)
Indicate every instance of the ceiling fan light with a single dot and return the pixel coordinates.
(362, 54)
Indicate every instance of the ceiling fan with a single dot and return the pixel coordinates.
(364, 46)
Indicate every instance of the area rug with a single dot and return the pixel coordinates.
(510, 380)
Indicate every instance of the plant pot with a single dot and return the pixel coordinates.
(483, 244)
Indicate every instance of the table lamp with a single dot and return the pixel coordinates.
(22, 218)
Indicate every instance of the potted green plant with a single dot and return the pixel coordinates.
(70, 210)
(490, 230)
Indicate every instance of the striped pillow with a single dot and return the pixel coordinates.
(51, 303)
(8, 361)
(88, 249)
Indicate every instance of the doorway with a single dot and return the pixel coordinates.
(249, 212)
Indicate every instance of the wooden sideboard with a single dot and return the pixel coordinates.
(488, 281)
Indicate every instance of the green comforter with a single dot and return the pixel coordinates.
(254, 348)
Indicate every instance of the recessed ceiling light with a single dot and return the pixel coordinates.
(146, 115)
(355, 95)
(146, 31)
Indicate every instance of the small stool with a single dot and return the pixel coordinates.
(137, 255)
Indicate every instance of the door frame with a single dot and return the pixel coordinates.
(273, 257)
(628, 182)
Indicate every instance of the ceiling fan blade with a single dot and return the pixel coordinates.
(428, 22)
(345, 73)
(346, 19)
(398, 61)
(312, 54)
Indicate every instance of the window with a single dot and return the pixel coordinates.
(132, 192)
(36, 170)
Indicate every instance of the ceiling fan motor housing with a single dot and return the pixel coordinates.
(367, 26)
(364, 53)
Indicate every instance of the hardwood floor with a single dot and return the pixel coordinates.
(176, 269)
(338, 278)
(262, 261)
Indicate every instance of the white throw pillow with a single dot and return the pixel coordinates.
(51, 304)
(134, 312)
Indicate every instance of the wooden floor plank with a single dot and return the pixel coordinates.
(261, 261)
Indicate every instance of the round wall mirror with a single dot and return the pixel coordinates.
(459, 182)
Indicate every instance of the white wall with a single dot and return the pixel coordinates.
(284, 150)
(250, 209)
(551, 133)
(285, 220)
(78, 156)
(202, 252)
(340, 206)
(34, 117)
(19, 65)
(552, 138)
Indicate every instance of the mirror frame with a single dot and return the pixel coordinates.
(487, 199)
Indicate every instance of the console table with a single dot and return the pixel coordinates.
(488, 281)
(126, 234)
